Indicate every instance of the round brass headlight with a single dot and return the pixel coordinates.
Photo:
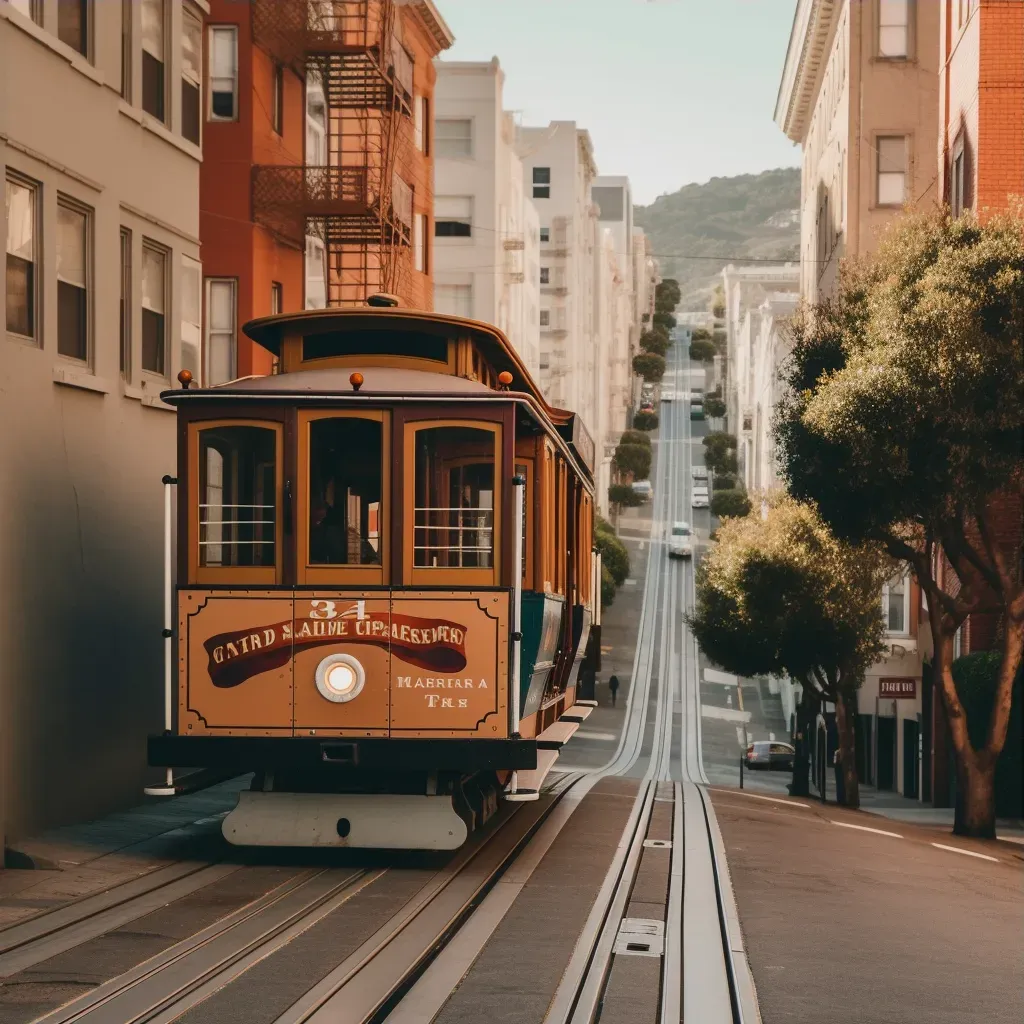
(340, 678)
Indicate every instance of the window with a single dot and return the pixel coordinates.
(316, 121)
(892, 170)
(277, 109)
(154, 320)
(223, 73)
(545, 318)
(191, 315)
(153, 57)
(454, 299)
(420, 125)
(454, 513)
(542, 183)
(346, 456)
(125, 319)
(316, 274)
(30, 8)
(73, 24)
(545, 275)
(893, 28)
(20, 204)
(126, 49)
(191, 74)
(220, 330)
(453, 216)
(896, 606)
(237, 496)
(545, 234)
(72, 283)
(419, 242)
(276, 298)
(453, 137)
(959, 198)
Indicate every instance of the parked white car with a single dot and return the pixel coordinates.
(700, 497)
(699, 475)
(668, 396)
(680, 541)
(643, 488)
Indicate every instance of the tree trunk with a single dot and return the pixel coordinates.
(847, 750)
(975, 813)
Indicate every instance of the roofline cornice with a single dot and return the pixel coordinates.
(814, 23)
(432, 21)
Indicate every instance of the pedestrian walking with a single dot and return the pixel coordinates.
(613, 687)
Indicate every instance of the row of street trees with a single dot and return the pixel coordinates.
(901, 440)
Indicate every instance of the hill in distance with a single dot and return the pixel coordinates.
(703, 227)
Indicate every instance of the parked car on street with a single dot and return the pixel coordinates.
(643, 488)
(696, 411)
(668, 396)
(700, 497)
(680, 542)
(769, 756)
(699, 475)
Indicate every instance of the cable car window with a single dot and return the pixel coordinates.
(453, 524)
(411, 344)
(345, 486)
(237, 496)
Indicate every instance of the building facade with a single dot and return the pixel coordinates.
(101, 161)
(317, 178)
(486, 228)
(560, 170)
(860, 94)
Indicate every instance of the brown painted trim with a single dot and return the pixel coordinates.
(508, 468)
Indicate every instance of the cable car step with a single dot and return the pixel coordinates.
(192, 782)
(528, 783)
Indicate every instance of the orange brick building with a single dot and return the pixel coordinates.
(316, 183)
(980, 168)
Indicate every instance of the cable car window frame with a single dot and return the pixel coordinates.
(242, 575)
(308, 573)
(527, 462)
(422, 575)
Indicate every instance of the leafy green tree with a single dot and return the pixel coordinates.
(614, 556)
(718, 442)
(718, 303)
(729, 503)
(608, 587)
(663, 319)
(635, 437)
(649, 366)
(645, 420)
(722, 461)
(903, 424)
(654, 341)
(779, 594)
(700, 334)
(667, 294)
(624, 495)
(714, 406)
(702, 351)
(724, 482)
(634, 459)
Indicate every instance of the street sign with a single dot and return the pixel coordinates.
(898, 689)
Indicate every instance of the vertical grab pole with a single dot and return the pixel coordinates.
(519, 490)
(597, 587)
(168, 631)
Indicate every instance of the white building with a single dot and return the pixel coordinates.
(746, 289)
(487, 238)
(560, 169)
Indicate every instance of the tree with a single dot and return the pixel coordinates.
(714, 406)
(702, 351)
(718, 303)
(729, 503)
(903, 424)
(700, 334)
(608, 587)
(655, 341)
(649, 366)
(645, 421)
(624, 495)
(614, 556)
(667, 294)
(716, 445)
(779, 594)
(724, 482)
(721, 461)
(663, 319)
(635, 437)
(634, 459)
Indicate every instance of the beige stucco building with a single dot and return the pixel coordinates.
(860, 94)
(101, 219)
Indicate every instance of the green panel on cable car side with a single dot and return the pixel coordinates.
(541, 619)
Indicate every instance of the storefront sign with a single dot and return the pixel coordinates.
(898, 689)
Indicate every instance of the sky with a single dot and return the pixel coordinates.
(671, 91)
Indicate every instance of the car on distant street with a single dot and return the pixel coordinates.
(680, 541)
(668, 396)
(643, 488)
(765, 755)
(700, 475)
(696, 411)
(700, 497)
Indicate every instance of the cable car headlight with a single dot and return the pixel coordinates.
(340, 678)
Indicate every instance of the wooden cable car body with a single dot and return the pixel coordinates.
(349, 579)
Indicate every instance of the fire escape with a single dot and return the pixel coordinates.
(355, 201)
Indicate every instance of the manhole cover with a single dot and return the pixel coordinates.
(640, 937)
